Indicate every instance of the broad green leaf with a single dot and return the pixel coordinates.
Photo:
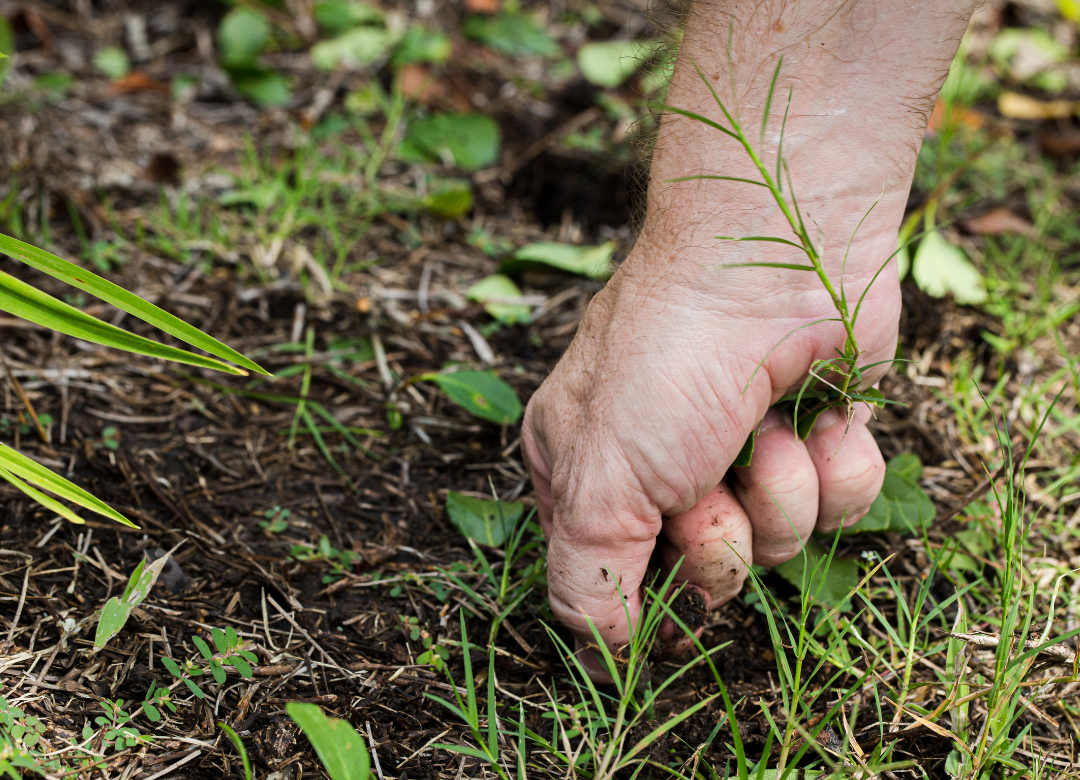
(339, 747)
(112, 62)
(841, 579)
(242, 37)
(354, 49)
(7, 47)
(118, 610)
(466, 141)
(493, 292)
(941, 268)
(610, 63)
(485, 522)
(338, 16)
(421, 44)
(262, 87)
(591, 261)
(481, 394)
(21, 466)
(511, 33)
(122, 299)
(901, 505)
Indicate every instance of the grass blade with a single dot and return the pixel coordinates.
(697, 118)
(768, 99)
(19, 465)
(122, 299)
(711, 176)
(23, 300)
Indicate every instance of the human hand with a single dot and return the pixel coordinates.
(632, 435)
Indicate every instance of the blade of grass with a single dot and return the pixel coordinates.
(23, 300)
(122, 299)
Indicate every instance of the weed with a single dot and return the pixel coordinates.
(819, 392)
(277, 520)
(340, 561)
(230, 652)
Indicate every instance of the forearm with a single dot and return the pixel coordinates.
(863, 77)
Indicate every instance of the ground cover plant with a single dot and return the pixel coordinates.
(400, 214)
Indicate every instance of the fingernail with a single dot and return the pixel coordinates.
(772, 419)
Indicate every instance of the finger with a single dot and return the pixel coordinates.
(714, 540)
(778, 491)
(849, 466)
(595, 571)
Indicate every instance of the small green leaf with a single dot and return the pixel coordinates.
(339, 747)
(902, 505)
(421, 44)
(485, 522)
(451, 200)
(352, 50)
(941, 268)
(610, 63)
(841, 579)
(217, 672)
(203, 648)
(591, 261)
(117, 610)
(194, 688)
(808, 417)
(466, 141)
(480, 393)
(242, 37)
(511, 33)
(746, 454)
(152, 712)
(232, 639)
(172, 666)
(261, 86)
(241, 666)
(112, 62)
(493, 292)
(339, 16)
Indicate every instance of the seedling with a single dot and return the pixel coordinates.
(229, 653)
(277, 520)
(834, 381)
(341, 561)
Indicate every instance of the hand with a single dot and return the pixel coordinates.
(630, 439)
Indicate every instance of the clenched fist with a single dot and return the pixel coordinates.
(630, 440)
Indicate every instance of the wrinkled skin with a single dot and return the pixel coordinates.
(630, 439)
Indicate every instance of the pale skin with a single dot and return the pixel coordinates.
(630, 440)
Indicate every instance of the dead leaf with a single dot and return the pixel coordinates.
(1013, 105)
(1060, 144)
(483, 6)
(965, 117)
(998, 221)
(136, 81)
(418, 84)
